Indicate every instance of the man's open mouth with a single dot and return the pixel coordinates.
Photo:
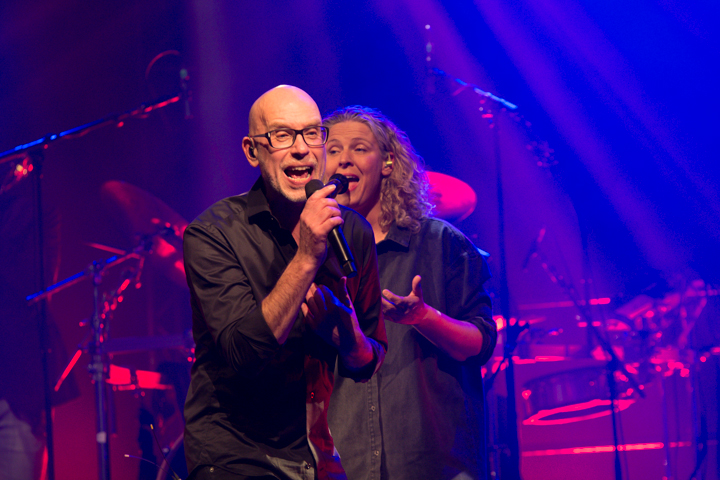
(298, 173)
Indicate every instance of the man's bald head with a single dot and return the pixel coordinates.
(285, 171)
(283, 98)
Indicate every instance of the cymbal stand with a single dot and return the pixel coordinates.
(99, 364)
(511, 467)
(99, 327)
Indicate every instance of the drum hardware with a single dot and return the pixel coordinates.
(614, 366)
(573, 396)
(143, 214)
(165, 468)
(144, 344)
(30, 157)
(103, 307)
(122, 379)
(176, 451)
(648, 337)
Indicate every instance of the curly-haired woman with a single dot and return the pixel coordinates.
(422, 415)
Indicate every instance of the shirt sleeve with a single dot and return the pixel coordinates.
(223, 300)
(367, 301)
(466, 298)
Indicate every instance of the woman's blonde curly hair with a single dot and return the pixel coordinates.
(403, 194)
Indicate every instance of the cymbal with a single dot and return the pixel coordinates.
(143, 214)
(453, 199)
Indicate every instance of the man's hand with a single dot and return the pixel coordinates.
(320, 215)
(331, 316)
(410, 310)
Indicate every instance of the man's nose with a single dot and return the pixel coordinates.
(299, 146)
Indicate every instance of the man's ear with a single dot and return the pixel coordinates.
(388, 165)
(248, 145)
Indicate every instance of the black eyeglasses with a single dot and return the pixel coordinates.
(285, 137)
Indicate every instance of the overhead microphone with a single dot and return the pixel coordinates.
(534, 247)
(186, 93)
(336, 235)
(429, 60)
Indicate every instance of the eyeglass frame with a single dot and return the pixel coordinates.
(295, 135)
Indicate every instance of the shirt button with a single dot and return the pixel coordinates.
(376, 453)
(312, 394)
(372, 408)
(212, 469)
(307, 466)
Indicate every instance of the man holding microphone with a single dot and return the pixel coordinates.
(272, 309)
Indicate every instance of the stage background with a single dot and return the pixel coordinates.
(625, 95)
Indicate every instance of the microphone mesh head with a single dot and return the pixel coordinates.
(313, 186)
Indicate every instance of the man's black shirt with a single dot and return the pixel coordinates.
(246, 407)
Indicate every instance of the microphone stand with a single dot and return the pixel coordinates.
(545, 158)
(113, 119)
(34, 150)
(511, 470)
(37, 161)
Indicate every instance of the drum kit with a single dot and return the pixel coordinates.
(648, 337)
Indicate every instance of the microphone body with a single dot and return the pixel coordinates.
(336, 237)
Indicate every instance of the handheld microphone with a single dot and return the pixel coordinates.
(336, 235)
(341, 183)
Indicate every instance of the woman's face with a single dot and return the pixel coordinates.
(353, 151)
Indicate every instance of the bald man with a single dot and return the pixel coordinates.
(272, 311)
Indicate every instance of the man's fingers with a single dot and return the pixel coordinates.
(310, 291)
(323, 192)
(328, 297)
(335, 222)
(320, 295)
(342, 293)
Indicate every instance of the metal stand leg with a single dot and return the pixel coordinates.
(98, 372)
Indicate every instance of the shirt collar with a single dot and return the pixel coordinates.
(399, 235)
(257, 203)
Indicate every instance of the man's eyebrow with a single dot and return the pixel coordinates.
(278, 125)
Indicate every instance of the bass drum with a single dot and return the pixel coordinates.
(174, 462)
(573, 396)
